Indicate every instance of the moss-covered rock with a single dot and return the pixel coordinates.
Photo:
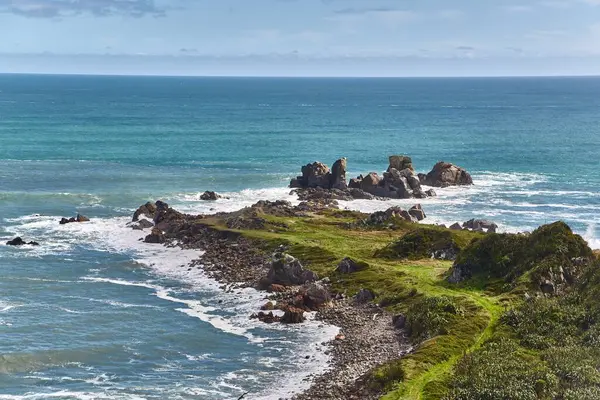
(553, 256)
(425, 242)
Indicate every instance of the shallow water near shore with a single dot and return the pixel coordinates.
(95, 314)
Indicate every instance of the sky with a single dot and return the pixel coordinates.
(301, 37)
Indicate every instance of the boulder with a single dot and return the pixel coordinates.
(268, 306)
(430, 193)
(313, 175)
(417, 212)
(16, 242)
(267, 318)
(349, 266)
(370, 183)
(400, 163)
(364, 296)
(407, 216)
(78, 218)
(142, 224)
(156, 236)
(147, 210)
(209, 195)
(399, 321)
(480, 225)
(293, 315)
(316, 296)
(446, 174)
(287, 270)
(360, 194)
(338, 175)
(81, 218)
(355, 183)
(455, 227)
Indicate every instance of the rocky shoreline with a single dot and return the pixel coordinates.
(367, 338)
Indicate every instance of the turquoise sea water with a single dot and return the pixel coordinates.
(93, 313)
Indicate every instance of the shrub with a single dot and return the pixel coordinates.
(421, 243)
(430, 316)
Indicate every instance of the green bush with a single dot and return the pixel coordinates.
(425, 242)
(431, 316)
(502, 371)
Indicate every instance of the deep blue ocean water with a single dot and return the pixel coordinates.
(94, 314)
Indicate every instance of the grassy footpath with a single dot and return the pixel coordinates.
(322, 240)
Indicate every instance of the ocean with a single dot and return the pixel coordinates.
(93, 313)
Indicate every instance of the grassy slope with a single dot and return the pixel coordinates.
(321, 241)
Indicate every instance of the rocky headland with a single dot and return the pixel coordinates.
(424, 311)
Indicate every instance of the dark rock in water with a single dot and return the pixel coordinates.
(315, 175)
(293, 315)
(267, 318)
(446, 174)
(364, 296)
(268, 306)
(338, 175)
(18, 241)
(287, 270)
(431, 193)
(399, 321)
(157, 236)
(417, 212)
(455, 227)
(78, 218)
(209, 195)
(359, 194)
(147, 210)
(349, 266)
(142, 224)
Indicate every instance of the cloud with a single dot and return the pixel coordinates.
(465, 48)
(389, 16)
(66, 8)
(518, 8)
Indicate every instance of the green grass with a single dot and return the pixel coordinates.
(322, 241)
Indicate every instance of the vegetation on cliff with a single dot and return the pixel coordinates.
(514, 317)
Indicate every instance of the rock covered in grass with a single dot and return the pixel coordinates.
(423, 242)
(552, 256)
(349, 266)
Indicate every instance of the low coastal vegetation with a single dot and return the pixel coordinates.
(489, 316)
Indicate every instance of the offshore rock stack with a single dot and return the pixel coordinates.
(400, 181)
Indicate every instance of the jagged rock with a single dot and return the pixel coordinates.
(338, 175)
(308, 194)
(142, 224)
(446, 174)
(148, 210)
(407, 216)
(417, 212)
(157, 236)
(315, 175)
(209, 195)
(455, 227)
(78, 218)
(480, 225)
(400, 163)
(287, 270)
(293, 315)
(18, 241)
(355, 183)
(359, 194)
(316, 296)
(431, 193)
(383, 217)
(399, 321)
(267, 318)
(349, 266)
(364, 296)
(370, 183)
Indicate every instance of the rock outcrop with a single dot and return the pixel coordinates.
(148, 210)
(399, 181)
(392, 213)
(18, 241)
(480, 225)
(156, 236)
(78, 218)
(446, 174)
(209, 195)
(287, 270)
